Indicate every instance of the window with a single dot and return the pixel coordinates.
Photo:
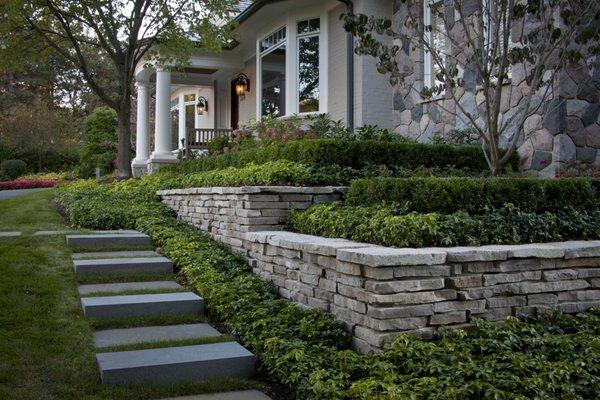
(272, 70)
(434, 17)
(175, 123)
(308, 65)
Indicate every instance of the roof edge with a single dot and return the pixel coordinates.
(251, 10)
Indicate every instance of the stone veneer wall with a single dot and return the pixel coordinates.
(227, 213)
(565, 130)
(380, 292)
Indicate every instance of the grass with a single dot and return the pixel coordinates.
(46, 346)
(169, 343)
(108, 254)
(114, 278)
(134, 322)
(83, 249)
(30, 212)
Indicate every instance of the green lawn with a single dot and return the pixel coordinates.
(46, 347)
(31, 212)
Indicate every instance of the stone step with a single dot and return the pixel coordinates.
(238, 395)
(114, 254)
(123, 265)
(142, 305)
(124, 286)
(149, 334)
(176, 364)
(108, 240)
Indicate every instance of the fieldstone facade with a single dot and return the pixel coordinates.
(564, 131)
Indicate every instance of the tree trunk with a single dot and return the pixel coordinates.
(124, 144)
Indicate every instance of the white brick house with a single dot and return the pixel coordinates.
(294, 54)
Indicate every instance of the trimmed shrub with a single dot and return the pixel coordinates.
(384, 226)
(475, 196)
(13, 168)
(356, 154)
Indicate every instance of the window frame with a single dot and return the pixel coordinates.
(290, 21)
(259, 58)
(428, 63)
(299, 37)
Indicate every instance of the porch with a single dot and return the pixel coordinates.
(191, 107)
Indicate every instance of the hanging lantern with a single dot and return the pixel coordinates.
(202, 105)
(242, 84)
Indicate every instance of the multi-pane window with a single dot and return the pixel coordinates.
(308, 65)
(273, 65)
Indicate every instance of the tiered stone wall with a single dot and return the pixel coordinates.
(227, 213)
(380, 292)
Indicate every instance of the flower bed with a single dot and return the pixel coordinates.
(29, 184)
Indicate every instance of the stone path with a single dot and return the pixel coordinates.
(7, 194)
(9, 234)
(157, 364)
(242, 395)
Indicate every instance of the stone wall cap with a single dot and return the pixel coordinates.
(254, 189)
(298, 241)
(579, 248)
(483, 253)
(379, 256)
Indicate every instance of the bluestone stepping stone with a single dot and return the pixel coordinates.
(176, 364)
(10, 234)
(108, 240)
(123, 265)
(239, 395)
(114, 254)
(124, 286)
(116, 231)
(119, 337)
(138, 305)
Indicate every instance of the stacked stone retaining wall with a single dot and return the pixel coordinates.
(227, 213)
(379, 292)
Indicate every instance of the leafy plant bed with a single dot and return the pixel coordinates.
(387, 226)
(549, 357)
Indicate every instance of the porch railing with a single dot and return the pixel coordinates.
(198, 139)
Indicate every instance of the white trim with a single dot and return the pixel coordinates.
(290, 20)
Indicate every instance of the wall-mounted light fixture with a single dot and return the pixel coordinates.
(202, 105)
(242, 85)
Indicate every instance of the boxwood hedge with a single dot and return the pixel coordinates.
(356, 154)
(475, 196)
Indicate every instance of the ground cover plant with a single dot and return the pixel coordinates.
(309, 351)
(394, 226)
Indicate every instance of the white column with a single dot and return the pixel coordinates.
(162, 130)
(181, 127)
(142, 125)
